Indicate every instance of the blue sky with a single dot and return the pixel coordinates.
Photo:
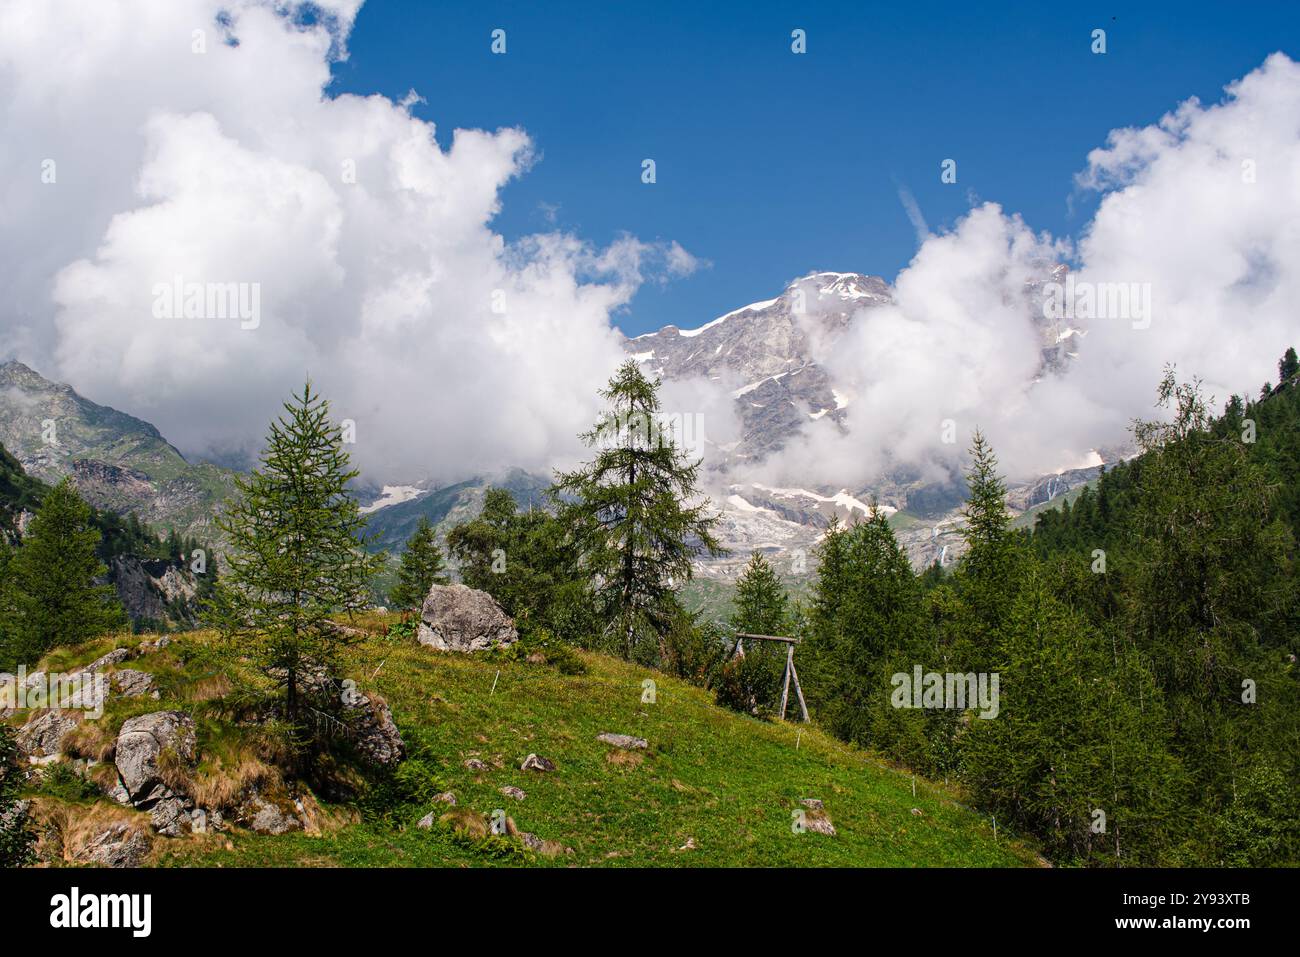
(771, 164)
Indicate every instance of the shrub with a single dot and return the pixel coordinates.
(695, 651)
(750, 684)
(60, 781)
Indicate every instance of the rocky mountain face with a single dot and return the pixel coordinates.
(156, 593)
(118, 462)
(390, 525)
(762, 353)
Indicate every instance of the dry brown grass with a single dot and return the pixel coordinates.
(625, 759)
(210, 688)
(467, 821)
(222, 781)
(93, 740)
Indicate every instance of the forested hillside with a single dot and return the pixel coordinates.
(1145, 638)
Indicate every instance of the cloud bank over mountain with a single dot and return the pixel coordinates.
(1200, 212)
(142, 157)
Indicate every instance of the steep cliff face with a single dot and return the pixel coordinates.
(156, 593)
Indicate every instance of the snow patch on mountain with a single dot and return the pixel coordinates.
(391, 495)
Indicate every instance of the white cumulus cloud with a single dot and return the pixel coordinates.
(151, 146)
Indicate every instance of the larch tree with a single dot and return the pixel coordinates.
(634, 513)
(295, 558)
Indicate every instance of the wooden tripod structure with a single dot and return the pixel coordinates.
(790, 673)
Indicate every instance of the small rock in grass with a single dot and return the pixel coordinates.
(816, 822)
(474, 764)
(112, 658)
(511, 791)
(535, 763)
(624, 741)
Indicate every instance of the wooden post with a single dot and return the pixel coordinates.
(798, 689)
(785, 685)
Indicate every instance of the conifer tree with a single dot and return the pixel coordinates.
(1287, 366)
(631, 511)
(52, 595)
(988, 573)
(761, 600)
(525, 560)
(1212, 582)
(420, 570)
(819, 635)
(877, 621)
(295, 559)
(1079, 730)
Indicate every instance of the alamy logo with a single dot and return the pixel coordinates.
(81, 691)
(1098, 300)
(179, 299)
(950, 691)
(72, 910)
(652, 431)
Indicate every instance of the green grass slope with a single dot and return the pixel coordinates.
(720, 784)
(722, 781)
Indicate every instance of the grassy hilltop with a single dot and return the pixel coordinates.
(717, 783)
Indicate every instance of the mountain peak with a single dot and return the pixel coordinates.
(847, 285)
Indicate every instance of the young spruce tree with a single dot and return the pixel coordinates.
(629, 511)
(421, 568)
(295, 559)
(761, 601)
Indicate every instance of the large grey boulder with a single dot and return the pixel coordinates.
(459, 618)
(140, 742)
(273, 817)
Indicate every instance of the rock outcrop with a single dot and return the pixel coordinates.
(44, 732)
(119, 844)
(459, 618)
(140, 742)
(374, 733)
(133, 684)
